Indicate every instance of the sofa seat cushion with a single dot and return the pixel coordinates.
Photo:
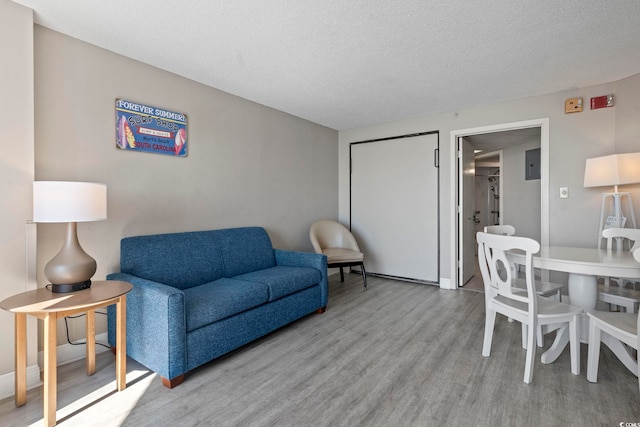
(282, 281)
(220, 299)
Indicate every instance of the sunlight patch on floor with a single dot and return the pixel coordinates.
(98, 404)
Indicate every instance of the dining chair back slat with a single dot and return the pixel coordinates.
(498, 271)
(630, 236)
(504, 229)
(620, 239)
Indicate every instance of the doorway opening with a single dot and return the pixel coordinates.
(487, 189)
(488, 140)
(487, 205)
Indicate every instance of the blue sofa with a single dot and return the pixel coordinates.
(198, 295)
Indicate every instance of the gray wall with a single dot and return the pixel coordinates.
(247, 164)
(521, 198)
(16, 172)
(573, 139)
(627, 122)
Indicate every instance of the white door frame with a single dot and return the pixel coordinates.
(543, 124)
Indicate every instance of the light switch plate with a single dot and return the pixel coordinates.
(564, 192)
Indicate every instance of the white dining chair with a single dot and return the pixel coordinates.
(620, 239)
(527, 308)
(543, 288)
(620, 326)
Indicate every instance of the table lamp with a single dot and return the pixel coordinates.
(71, 202)
(613, 170)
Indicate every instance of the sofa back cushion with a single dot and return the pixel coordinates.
(244, 250)
(185, 260)
(181, 260)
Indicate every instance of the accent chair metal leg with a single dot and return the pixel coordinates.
(341, 274)
(364, 275)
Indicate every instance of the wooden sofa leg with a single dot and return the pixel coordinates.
(171, 383)
(321, 310)
(168, 383)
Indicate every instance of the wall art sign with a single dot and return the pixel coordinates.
(141, 127)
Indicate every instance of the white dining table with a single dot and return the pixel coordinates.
(584, 265)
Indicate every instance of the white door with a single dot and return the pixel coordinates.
(467, 210)
(395, 206)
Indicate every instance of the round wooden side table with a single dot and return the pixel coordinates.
(50, 307)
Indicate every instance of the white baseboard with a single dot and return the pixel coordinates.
(445, 283)
(8, 381)
(66, 353)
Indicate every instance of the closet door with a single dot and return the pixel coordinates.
(395, 205)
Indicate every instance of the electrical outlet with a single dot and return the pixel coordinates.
(573, 105)
(564, 192)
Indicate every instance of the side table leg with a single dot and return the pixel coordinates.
(21, 358)
(50, 369)
(91, 342)
(121, 343)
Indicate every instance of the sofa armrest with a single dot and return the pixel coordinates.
(306, 259)
(156, 325)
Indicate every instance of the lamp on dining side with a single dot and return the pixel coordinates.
(69, 202)
(613, 170)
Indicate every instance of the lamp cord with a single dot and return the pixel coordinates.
(66, 325)
(67, 328)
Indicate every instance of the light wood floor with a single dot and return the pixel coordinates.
(401, 354)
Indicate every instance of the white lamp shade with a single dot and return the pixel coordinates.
(64, 201)
(616, 169)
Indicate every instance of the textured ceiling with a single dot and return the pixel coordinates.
(346, 64)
